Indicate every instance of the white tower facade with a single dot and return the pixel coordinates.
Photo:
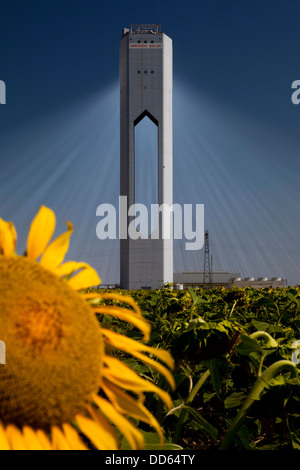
(146, 84)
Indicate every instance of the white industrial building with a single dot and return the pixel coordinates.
(223, 278)
(259, 283)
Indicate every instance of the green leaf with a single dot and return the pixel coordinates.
(248, 345)
(136, 366)
(260, 325)
(243, 436)
(193, 295)
(152, 443)
(265, 301)
(216, 379)
(234, 400)
(165, 446)
(207, 396)
(271, 446)
(205, 425)
(195, 298)
(291, 294)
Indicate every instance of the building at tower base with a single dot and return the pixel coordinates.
(227, 279)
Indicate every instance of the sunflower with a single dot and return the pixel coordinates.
(64, 385)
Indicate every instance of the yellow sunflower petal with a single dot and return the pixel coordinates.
(32, 441)
(46, 444)
(117, 297)
(58, 439)
(15, 438)
(134, 348)
(73, 438)
(89, 277)
(127, 315)
(55, 253)
(104, 424)
(4, 444)
(131, 433)
(134, 316)
(100, 435)
(70, 267)
(125, 378)
(8, 238)
(161, 354)
(126, 404)
(157, 366)
(40, 233)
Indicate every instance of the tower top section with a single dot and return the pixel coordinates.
(143, 29)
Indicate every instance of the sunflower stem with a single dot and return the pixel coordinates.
(261, 383)
(188, 402)
(233, 307)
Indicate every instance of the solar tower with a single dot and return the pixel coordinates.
(146, 82)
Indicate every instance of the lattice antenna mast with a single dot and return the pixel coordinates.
(207, 274)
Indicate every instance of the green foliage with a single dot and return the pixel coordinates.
(236, 383)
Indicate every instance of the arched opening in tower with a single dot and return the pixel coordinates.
(146, 170)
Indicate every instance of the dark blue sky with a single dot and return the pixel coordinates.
(234, 63)
(243, 53)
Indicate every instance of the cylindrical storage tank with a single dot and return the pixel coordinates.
(178, 286)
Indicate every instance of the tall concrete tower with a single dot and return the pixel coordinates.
(146, 82)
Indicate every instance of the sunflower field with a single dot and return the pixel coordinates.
(84, 368)
(236, 366)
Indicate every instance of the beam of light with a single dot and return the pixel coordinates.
(237, 168)
(250, 193)
(68, 161)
